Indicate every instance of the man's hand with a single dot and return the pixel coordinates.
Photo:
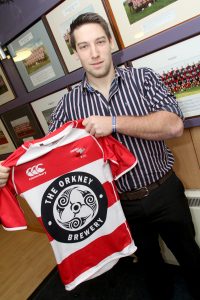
(4, 174)
(98, 125)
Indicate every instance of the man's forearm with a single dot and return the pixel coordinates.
(156, 126)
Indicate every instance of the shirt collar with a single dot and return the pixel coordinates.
(119, 74)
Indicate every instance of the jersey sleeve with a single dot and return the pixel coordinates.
(121, 160)
(12, 159)
(11, 214)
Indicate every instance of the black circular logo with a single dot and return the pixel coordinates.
(73, 207)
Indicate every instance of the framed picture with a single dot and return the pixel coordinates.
(35, 57)
(6, 144)
(22, 124)
(59, 20)
(179, 67)
(139, 19)
(6, 93)
(44, 107)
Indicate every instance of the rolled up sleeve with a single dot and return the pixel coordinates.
(158, 95)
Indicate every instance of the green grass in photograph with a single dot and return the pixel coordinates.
(37, 66)
(134, 16)
(191, 91)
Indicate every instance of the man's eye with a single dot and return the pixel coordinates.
(100, 42)
(83, 47)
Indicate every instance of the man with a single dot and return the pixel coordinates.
(140, 112)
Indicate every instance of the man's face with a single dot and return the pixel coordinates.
(93, 48)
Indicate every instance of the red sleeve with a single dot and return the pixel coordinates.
(13, 158)
(121, 160)
(11, 214)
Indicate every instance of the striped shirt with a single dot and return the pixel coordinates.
(133, 92)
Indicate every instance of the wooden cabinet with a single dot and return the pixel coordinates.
(186, 150)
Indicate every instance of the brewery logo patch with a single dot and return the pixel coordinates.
(73, 207)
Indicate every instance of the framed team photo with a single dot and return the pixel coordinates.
(21, 124)
(44, 107)
(137, 20)
(179, 67)
(6, 144)
(6, 93)
(35, 57)
(59, 20)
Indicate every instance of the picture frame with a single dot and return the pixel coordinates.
(35, 57)
(59, 20)
(179, 67)
(21, 124)
(44, 107)
(6, 144)
(6, 93)
(137, 22)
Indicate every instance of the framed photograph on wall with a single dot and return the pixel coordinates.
(21, 124)
(35, 57)
(139, 19)
(44, 107)
(6, 144)
(59, 20)
(6, 93)
(179, 67)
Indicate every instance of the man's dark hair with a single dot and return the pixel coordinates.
(87, 18)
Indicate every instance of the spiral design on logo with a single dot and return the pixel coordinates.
(75, 207)
(75, 223)
(64, 200)
(90, 201)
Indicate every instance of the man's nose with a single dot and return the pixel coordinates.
(94, 51)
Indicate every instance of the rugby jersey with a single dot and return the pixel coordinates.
(133, 92)
(67, 180)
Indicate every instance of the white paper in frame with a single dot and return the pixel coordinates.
(44, 107)
(6, 93)
(60, 19)
(179, 67)
(6, 144)
(139, 23)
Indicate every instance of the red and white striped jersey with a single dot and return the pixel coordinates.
(67, 180)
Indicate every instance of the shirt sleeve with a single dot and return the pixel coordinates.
(11, 215)
(158, 95)
(121, 160)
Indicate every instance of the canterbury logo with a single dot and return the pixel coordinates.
(35, 170)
